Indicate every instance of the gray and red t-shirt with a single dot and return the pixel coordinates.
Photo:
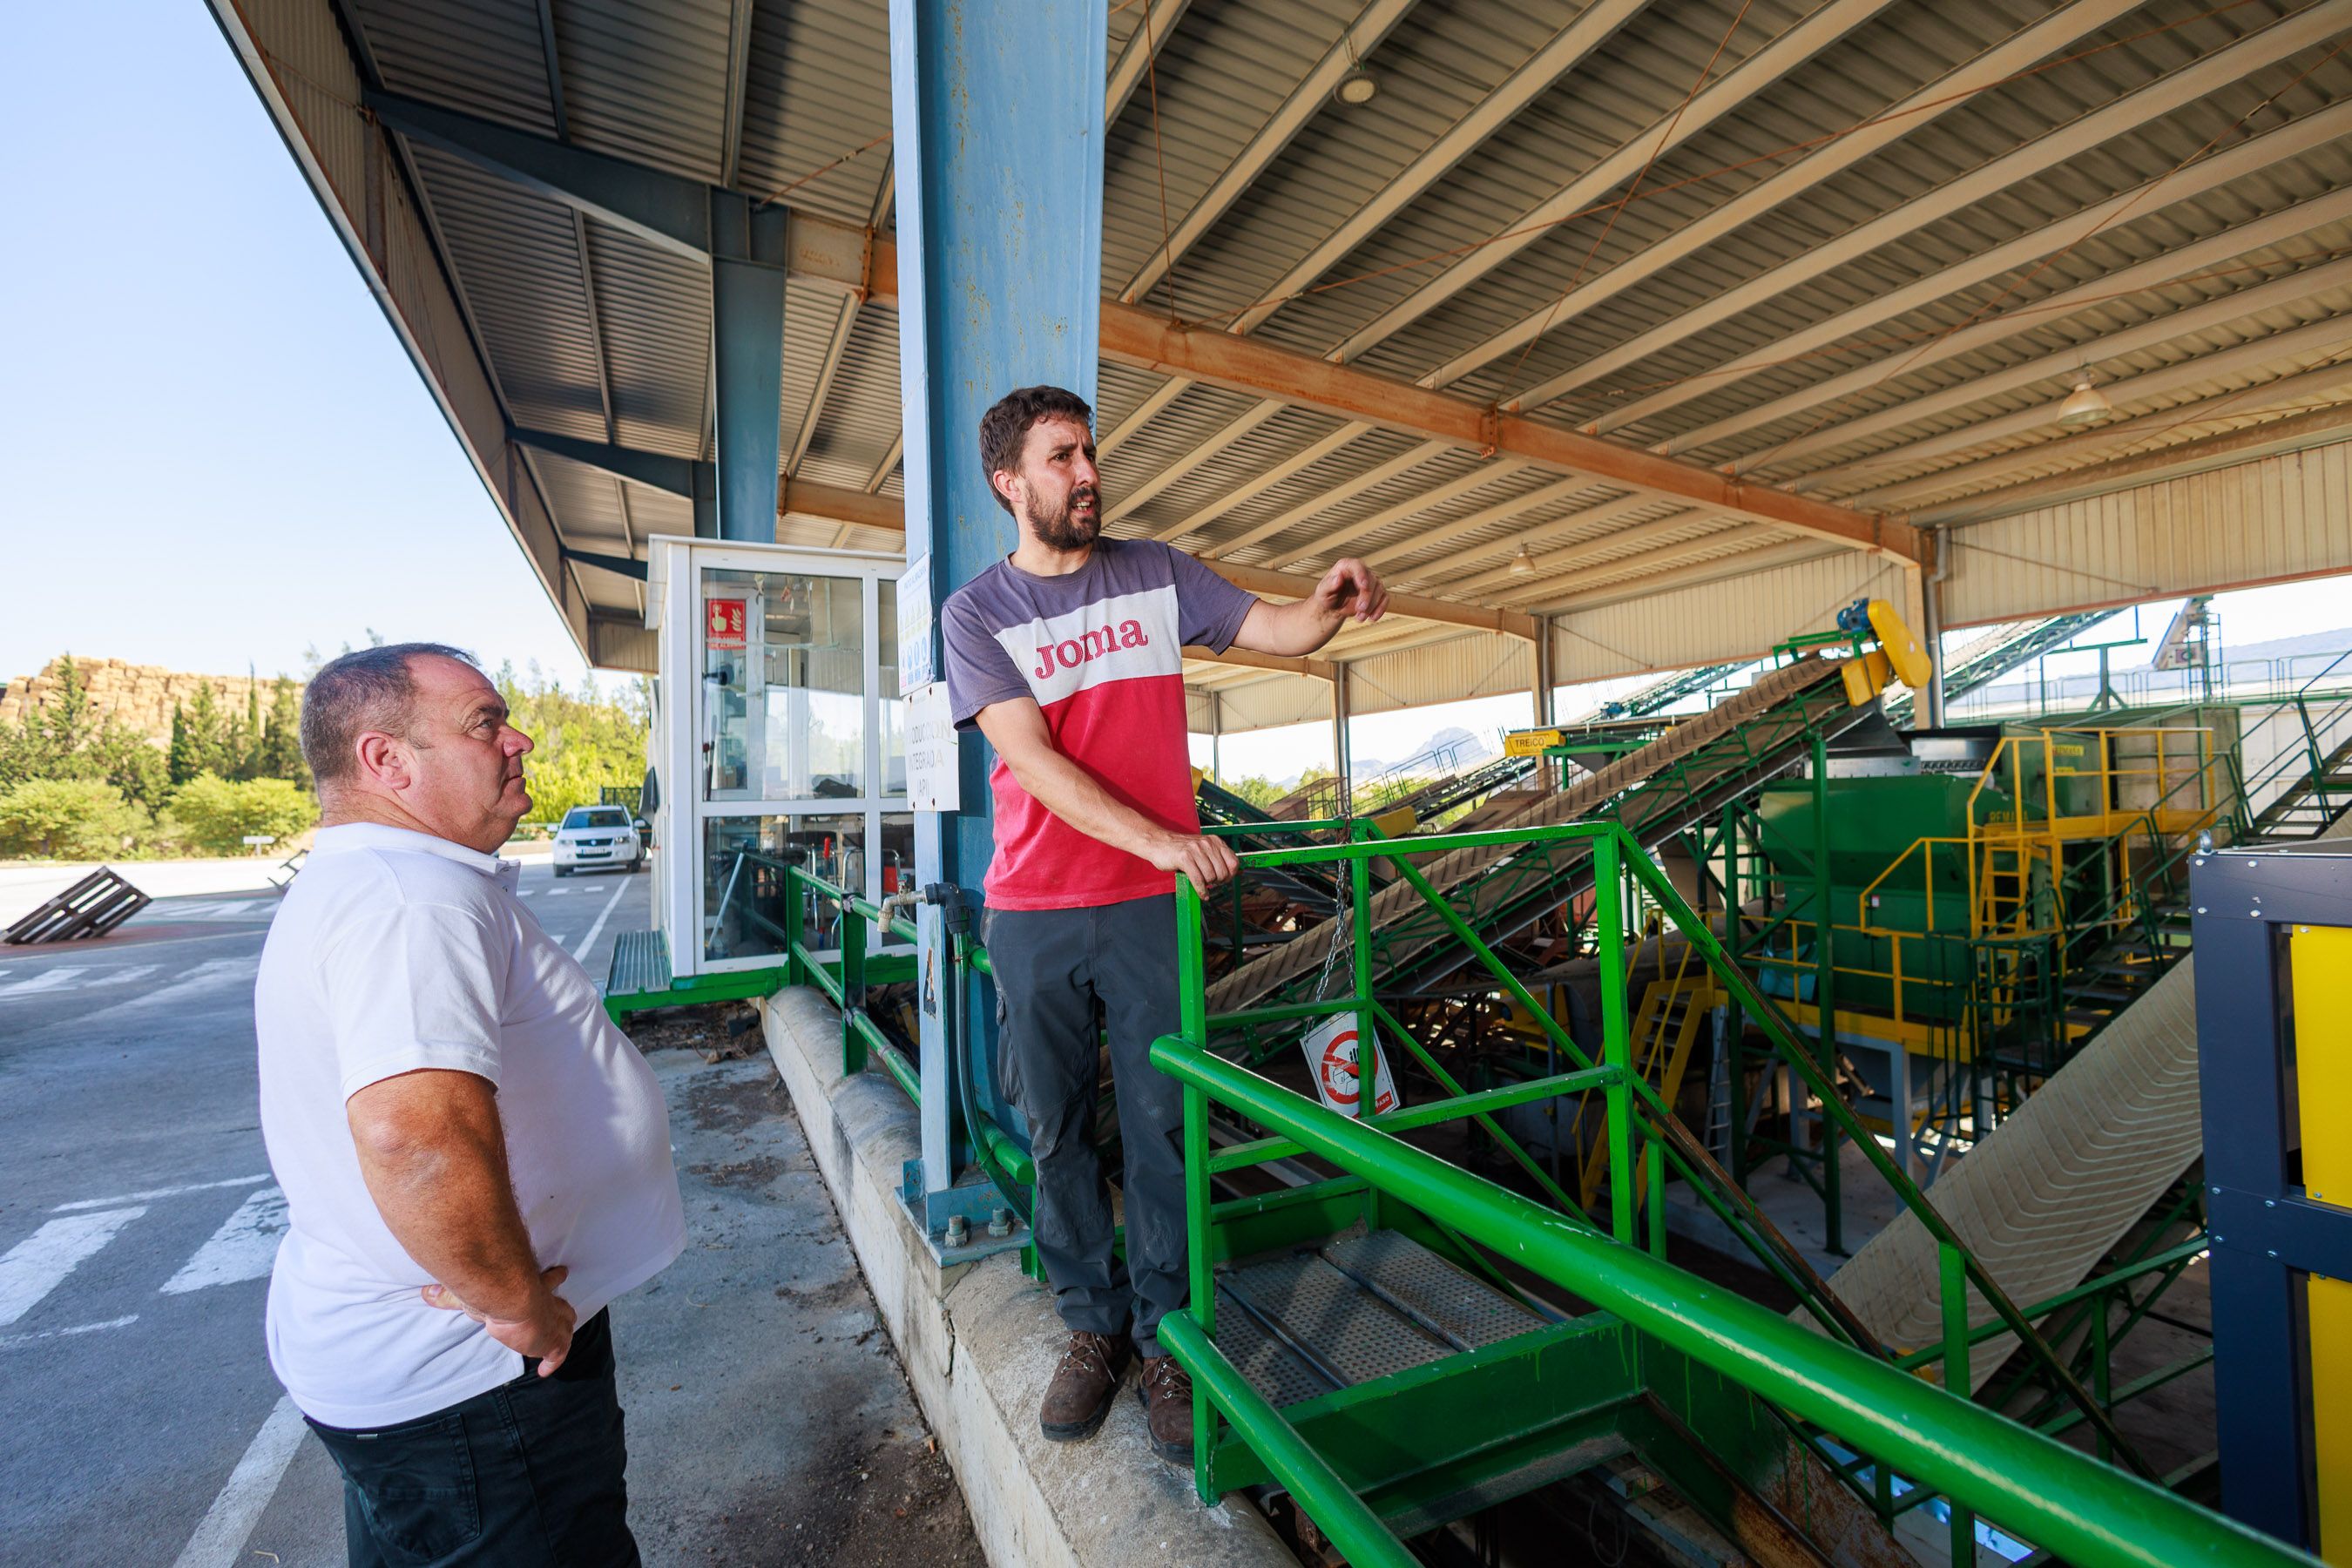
(1102, 651)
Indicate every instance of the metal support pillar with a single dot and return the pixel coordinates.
(747, 329)
(1931, 621)
(1217, 741)
(1343, 761)
(996, 111)
(1545, 769)
(1825, 996)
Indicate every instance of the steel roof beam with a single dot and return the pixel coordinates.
(1569, 568)
(1458, 572)
(1134, 63)
(1478, 478)
(1136, 337)
(1559, 489)
(2163, 96)
(1248, 420)
(1257, 485)
(1747, 563)
(2215, 173)
(1166, 393)
(2066, 365)
(1320, 668)
(1478, 617)
(738, 71)
(1751, 76)
(2230, 447)
(1307, 100)
(2327, 338)
(1899, 120)
(655, 470)
(1346, 490)
(1532, 80)
(2173, 263)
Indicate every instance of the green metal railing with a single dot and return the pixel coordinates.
(1639, 1129)
(845, 980)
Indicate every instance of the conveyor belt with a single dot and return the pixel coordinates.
(1752, 737)
(2046, 1195)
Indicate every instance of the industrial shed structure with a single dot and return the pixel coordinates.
(1627, 336)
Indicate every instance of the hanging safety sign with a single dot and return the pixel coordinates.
(1331, 1056)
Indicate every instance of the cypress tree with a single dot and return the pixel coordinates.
(180, 761)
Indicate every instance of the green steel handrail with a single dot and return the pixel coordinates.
(861, 1036)
(2064, 1501)
(1614, 848)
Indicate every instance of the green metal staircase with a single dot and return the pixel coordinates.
(1405, 1343)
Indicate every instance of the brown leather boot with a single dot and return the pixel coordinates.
(1166, 1391)
(1083, 1385)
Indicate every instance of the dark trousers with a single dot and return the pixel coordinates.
(1053, 968)
(529, 1473)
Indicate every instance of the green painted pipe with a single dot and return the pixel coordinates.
(2078, 1509)
(1336, 1511)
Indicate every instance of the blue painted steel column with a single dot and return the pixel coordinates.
(996, 109)
(747, 300)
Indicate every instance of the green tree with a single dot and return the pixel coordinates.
(281, 736)
(67, 819)
(584, 740)
(216, 814)
(128, 760)
(1260, 792)
(207, 735)
(180, 761)
(66, 720)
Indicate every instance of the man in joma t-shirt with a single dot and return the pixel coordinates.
(1068, 655)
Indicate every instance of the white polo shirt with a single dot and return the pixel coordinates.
(396, 951)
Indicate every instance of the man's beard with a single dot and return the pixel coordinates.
(1061, 529)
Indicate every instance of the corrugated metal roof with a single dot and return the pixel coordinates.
(1992, 223)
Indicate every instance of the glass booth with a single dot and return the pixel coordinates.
(779, 740)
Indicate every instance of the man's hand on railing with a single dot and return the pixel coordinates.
(1205, 861)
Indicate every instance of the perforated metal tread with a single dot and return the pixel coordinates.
(1345, 1326)
(1468, 1308)
(1269, 1365)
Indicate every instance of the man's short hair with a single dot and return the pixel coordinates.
(371, 688)
(1005, 426)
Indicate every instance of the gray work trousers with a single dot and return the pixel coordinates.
(1053, 967)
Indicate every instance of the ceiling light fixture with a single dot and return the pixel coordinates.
(1357, 87)
(1523, 564)
(2086, 405)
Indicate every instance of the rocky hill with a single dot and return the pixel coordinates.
(138, 696)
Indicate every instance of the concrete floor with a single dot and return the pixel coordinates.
(768, 1421)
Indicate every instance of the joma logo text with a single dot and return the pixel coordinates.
(1071, 652)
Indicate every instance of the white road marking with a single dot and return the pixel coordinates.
(53, 980)
(17, 1341)
(39, 1264)
(242, 1248)
(558, 892)
(220, 1538)
(150, 1195)
(581, 953)
(124, 976)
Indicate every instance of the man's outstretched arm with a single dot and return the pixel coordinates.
(1017, 730)
(434, 1154)
(1351, 590)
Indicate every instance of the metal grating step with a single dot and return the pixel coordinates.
(1287, 1321)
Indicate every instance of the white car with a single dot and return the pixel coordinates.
(593, 836)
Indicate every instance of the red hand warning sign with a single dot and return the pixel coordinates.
(1332, 1056)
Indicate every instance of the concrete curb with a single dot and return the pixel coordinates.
(979, 1342)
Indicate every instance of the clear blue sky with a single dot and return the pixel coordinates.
(216, 451)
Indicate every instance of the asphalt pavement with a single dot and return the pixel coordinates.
(139, 1421)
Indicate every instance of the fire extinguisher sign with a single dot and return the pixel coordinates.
(723, 623)
(1332, 1057)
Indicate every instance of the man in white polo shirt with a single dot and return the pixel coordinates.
(475, 1160)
